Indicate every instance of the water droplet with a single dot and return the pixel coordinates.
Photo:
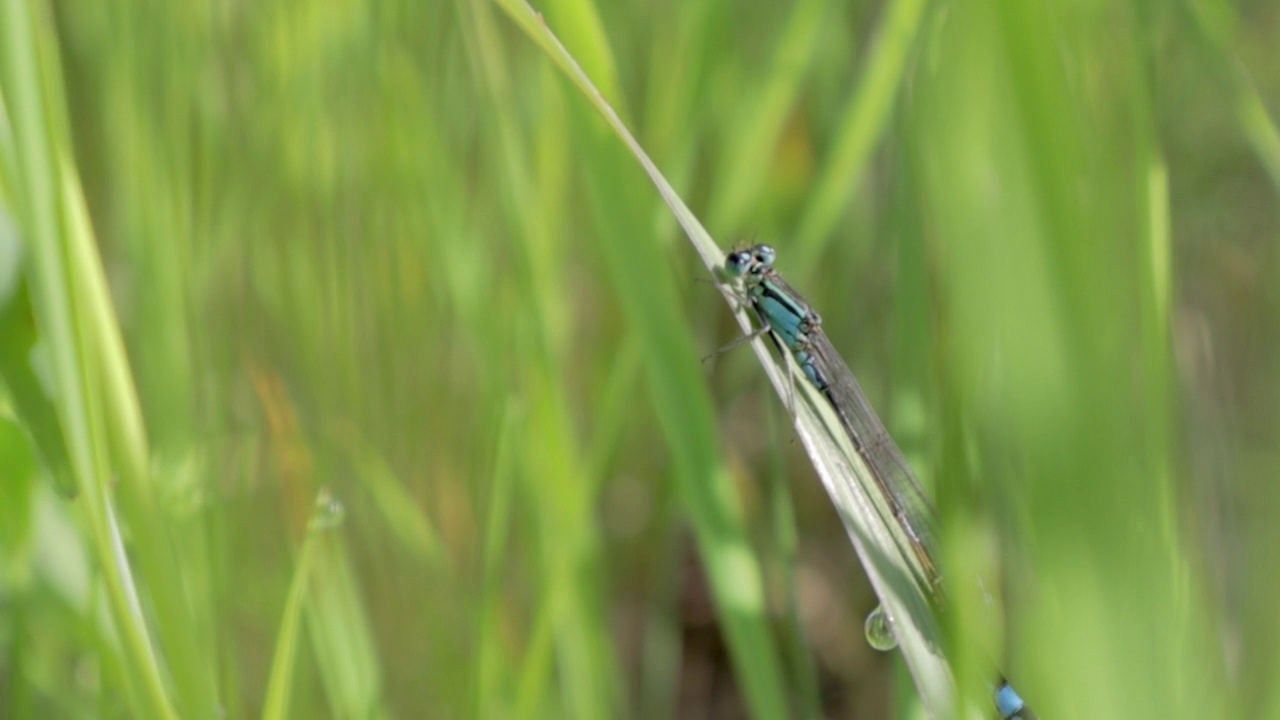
(879, 629)
(328, 512)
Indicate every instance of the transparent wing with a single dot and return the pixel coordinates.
(910, 505)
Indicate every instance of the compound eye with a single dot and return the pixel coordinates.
(765, 254)
(736, 263)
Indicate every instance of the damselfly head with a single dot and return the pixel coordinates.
(752, 261)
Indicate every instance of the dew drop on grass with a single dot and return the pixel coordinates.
(879, 629)
(328, 512)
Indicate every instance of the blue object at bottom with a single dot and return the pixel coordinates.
(1008, 702)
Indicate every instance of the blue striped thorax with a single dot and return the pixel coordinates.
(789, 317)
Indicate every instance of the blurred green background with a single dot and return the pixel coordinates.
(373, 362)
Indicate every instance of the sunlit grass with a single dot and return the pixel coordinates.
(387, 251)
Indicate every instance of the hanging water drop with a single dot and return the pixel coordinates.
(328, 512)
(879, 630)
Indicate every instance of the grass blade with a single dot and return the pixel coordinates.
(846, 480)
(60, 270)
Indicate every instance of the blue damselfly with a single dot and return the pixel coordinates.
(796, 329)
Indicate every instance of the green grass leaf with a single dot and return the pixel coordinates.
(879, 544)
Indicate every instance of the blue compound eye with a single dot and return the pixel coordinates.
(765, 254)
(738, 262)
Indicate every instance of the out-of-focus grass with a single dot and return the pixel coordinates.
(381, 249)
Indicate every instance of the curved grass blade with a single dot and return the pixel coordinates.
(325, 515)
(63, 298)
(846, 478)
(862, 123)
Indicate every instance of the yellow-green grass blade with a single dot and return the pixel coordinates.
(861, 125)
(19, 365)
(585, 33)
(182, 620)
(493, 674)
(63, 305)
(1217, 25)
(1048, 196)
(280, 679)
(756, 129)
(341, 639)
(341, 652)
(400, 512)
(683, 407)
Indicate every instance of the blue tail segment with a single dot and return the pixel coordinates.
(1010, 703)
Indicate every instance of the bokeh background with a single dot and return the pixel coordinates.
(352, 368)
